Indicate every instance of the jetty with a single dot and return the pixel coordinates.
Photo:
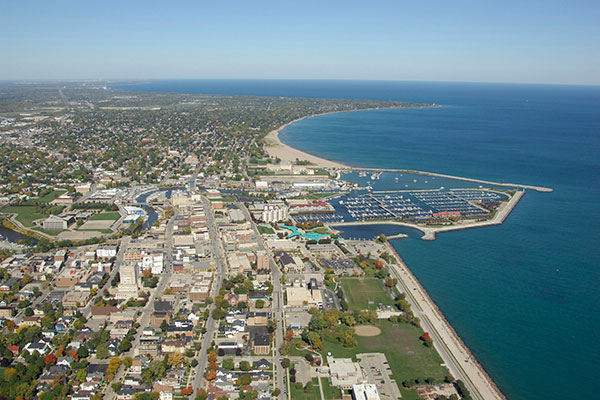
(410, 171)
(456, 355)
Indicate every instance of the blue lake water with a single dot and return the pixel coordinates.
(525, 295)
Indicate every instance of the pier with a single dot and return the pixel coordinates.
(408, 171)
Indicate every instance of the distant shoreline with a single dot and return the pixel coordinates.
(277, 149)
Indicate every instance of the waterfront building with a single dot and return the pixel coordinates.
(274, 213)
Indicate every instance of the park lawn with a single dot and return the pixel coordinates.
(299, 394)
(361, 291)
(322, 230)
(408, 357)
(105, 216)
(26, 214)
(266, 230)
(330, 392)
(314, 196)
(47, 232)
(105, 231)
(50, 196)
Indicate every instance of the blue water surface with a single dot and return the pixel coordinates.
(525, 295)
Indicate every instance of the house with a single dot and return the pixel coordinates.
(179, 328)
(165, 392)
(215, 392)
(96, 372)
(82, 395)
(136, 366)
(174, 346)
(66, 361)
(262, 364)
(48, 334)
(60, 369)
(14, 349)
(225, 380)
(39, 345)
(127, 392)
(6, 312)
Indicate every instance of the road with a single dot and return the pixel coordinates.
(211, 324)
(276, 306)
(149, 307)
(455, 354)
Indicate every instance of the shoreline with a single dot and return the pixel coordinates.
(456, 355)
(277, 149)
(454, 350)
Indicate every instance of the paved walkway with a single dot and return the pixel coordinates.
(455, 354)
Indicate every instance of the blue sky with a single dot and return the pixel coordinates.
(507, 41)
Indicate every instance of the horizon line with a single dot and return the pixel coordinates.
(142, 80)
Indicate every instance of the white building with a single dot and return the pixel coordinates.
(274, 213)
(154, 261)
(344, 372)
(106, 251)
(262, 185)
(365, 392)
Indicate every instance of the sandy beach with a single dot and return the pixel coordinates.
(277, 149)
(455, 353)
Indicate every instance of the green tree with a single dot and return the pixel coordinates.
(81, 375)
(102, 351)
(245, 366)
(228, 364)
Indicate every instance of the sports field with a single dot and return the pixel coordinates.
(407, 356)
(365, 293)
(104, 216)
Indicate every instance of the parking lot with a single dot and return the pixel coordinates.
(377, 370)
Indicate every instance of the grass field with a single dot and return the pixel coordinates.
(50, 196)
(313, 196)
(105, 231)
(47, 232)
(299, 394)
(26, 214)
(405, 353)
(267, 230)
(361, 291)
(106, 216)
(330, 392)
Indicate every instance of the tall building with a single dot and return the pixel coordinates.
(274, 213)
(262, 261)
(128, 286)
